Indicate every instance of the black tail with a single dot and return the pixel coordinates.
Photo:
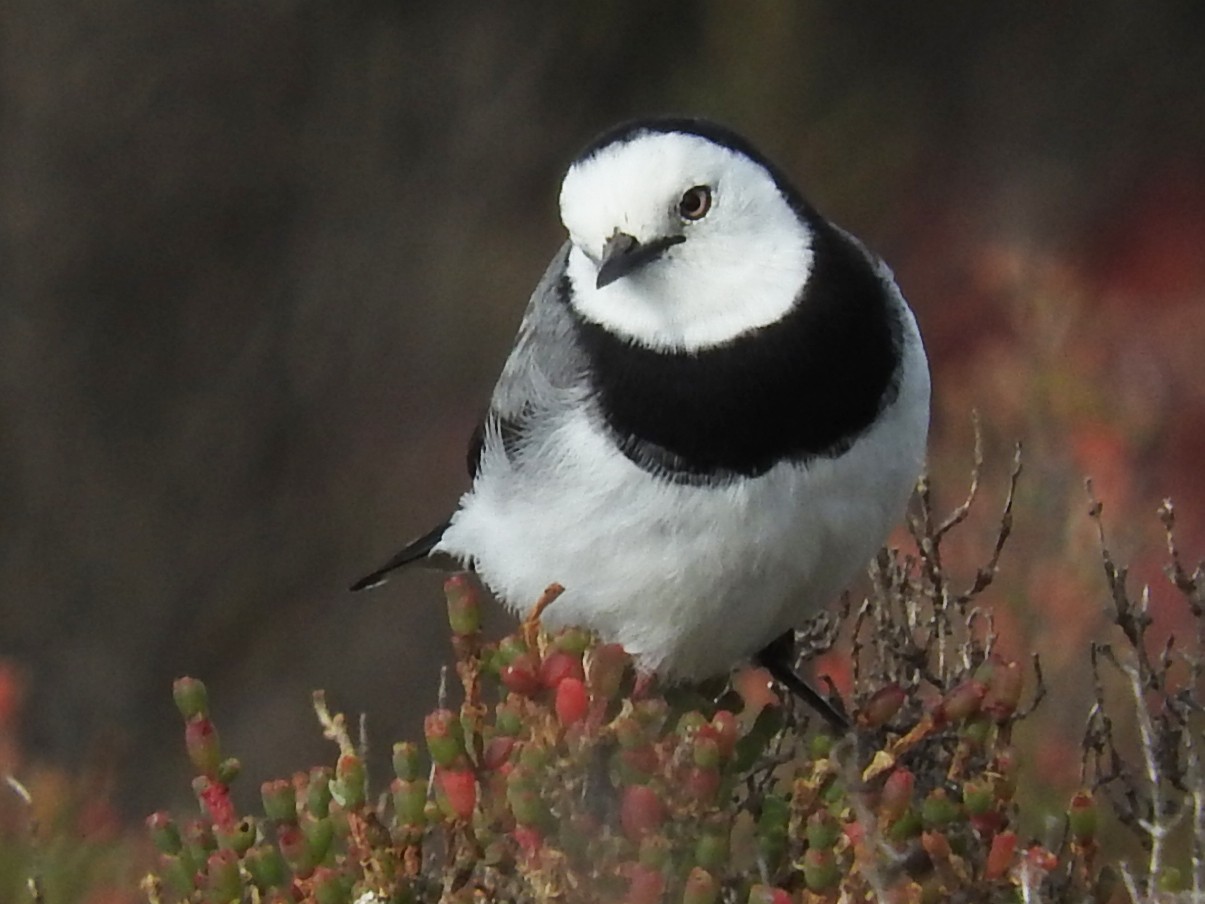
(419, 549)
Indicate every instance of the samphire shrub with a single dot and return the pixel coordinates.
(553, 772)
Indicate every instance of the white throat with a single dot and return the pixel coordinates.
(670, 307)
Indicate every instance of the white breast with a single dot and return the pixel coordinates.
(689, 579)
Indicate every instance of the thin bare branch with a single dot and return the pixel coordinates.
(1188, 585)
(1159, 825)
(334, 727)
(986, 574)
(959, 514)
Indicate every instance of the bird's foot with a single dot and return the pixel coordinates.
(777, 659)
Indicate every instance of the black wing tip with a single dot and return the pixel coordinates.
(419, 549)
(368, 582)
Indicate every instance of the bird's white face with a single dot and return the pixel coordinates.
(694, 242)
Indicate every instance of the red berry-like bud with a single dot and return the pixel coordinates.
(882, 706)
(963, 701)
(897, 795)
(572, 701)
(521, 675)
(445, 736)
(497, 752)
(459, 789)
(1000, 856)
(559, 665)
(641, 811)
(989, 823)
(528, 838)
(855, 832)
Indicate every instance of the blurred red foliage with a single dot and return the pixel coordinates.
(1090, 354)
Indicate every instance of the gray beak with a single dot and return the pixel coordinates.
(622, 254)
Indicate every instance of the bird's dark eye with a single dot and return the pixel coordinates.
(695, 203)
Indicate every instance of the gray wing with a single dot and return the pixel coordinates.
(545, 366)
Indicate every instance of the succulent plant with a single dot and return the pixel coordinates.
(566, 776)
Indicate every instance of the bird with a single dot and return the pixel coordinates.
(714, 411)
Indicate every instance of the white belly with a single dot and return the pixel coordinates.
(689, 579)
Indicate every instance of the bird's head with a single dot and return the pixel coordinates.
(683, 236)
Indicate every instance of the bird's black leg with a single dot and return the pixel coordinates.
(777, 660)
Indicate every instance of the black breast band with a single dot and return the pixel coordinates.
(801, 388)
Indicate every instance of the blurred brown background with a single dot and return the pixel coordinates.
(260, 262)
